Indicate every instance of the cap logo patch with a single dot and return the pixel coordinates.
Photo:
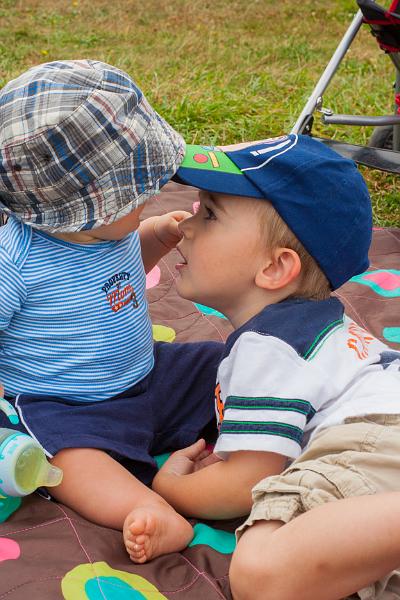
(208, 158)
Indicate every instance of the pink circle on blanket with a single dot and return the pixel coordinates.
(153, 277)
(9, 549)
(386, 280)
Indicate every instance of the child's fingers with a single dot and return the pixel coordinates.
(203, 454)
(192, 452)
(210, 460)
(180, 215)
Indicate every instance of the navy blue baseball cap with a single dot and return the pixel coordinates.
(320, 195)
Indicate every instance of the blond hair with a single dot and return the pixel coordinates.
(312, 282)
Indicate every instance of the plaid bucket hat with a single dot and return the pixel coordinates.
(80, 146)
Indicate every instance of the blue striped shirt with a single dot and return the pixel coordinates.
(73, 317)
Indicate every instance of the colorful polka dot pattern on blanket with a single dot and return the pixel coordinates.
(98, 581)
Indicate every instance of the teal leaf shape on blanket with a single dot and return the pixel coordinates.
(392, 334)
(218, 539)
(385, 282)
(111, 588)
(206, 310)
(8, 506)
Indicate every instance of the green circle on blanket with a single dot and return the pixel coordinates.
(8, 506)
(221, 541)
(111, 588)
(99, 581)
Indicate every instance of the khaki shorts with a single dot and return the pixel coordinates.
(360, 457)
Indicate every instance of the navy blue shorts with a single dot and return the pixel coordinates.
(167, 410)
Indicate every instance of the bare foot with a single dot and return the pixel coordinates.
(155, 530)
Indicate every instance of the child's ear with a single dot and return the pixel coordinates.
(282, 268)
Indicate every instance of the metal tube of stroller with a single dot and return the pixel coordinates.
(396, 128)
(360, 120)
(327, 75)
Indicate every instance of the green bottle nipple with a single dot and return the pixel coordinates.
(32, 470)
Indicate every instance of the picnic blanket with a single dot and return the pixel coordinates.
(48, 552)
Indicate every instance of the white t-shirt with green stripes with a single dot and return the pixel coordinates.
(295, 368)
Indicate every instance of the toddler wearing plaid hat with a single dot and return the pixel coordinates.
(81, 150)
(307, 401)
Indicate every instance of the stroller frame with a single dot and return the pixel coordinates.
(376, 158)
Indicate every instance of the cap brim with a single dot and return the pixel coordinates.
(210, 169)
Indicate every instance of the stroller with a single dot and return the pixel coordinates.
(383, 150)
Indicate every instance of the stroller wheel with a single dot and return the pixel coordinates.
(382, 137)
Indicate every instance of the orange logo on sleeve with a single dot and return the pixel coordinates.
(219, 404)
(359, 341)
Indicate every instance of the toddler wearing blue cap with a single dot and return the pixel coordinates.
(307, 401)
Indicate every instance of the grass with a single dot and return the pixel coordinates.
(219, 71)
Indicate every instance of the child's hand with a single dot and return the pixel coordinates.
(186, 461)
(166, 227)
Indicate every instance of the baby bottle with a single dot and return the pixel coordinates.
(23, 464)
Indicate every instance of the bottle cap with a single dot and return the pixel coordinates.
(23, 466)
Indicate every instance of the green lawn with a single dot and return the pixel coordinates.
(218, 70)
